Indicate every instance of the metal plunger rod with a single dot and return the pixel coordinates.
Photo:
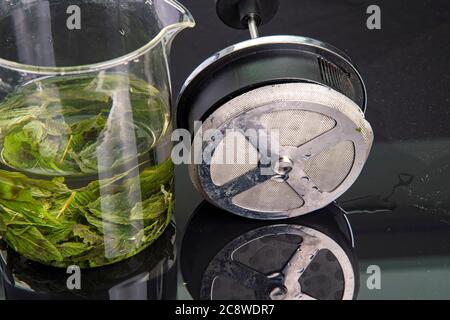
(253, 27)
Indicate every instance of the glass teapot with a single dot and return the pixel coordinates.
(86, 177)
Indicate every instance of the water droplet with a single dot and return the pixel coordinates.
(136, 60)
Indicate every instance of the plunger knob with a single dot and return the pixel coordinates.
(246, 14)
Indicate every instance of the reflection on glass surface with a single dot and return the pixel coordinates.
(399, 210)
(305, 258)
(149, 275)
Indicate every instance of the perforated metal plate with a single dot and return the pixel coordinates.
(281, 262)
(322, 134)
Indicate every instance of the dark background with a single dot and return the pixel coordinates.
(399, 207)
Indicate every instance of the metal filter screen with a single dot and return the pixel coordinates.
(236, 149)
(321, 131)
(269, 196)
(329, 168)
(297, 127)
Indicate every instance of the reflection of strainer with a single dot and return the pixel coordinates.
(307, 257)
(281, 262)
(306, 91)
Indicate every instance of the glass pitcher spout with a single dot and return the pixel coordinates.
(85, 35)
(174, 18)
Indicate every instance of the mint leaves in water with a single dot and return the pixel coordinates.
(55, 126)
(55, 131)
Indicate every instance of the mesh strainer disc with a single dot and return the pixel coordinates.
(322, 133)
